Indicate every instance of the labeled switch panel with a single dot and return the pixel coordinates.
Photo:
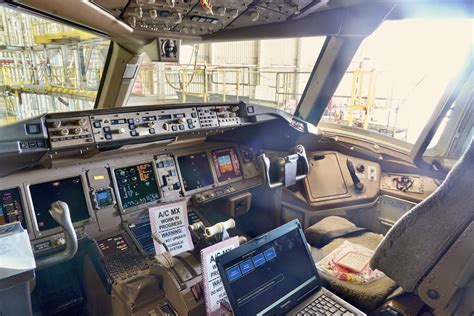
(404, 183)
(138, 124)
(108, 127)
(208, 116)
(219, 116)
(69, 131)
(228, 115)
(168, 177)
(177, 120)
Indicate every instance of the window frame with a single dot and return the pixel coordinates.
(451, 94)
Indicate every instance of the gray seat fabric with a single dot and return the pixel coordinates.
(422, 235)
(367, 297)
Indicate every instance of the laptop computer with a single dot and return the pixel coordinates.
(274, 274)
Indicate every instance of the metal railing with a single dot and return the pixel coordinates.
(204, 83)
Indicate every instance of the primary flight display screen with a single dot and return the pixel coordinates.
(68, 190)
(11, 208)
(136, 185)
(195, 171)
(226, 164)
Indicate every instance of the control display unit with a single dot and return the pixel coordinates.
(113, 245)
(136, 185)
(11, 208)
(226, 164)
(69, 190)
(195, 171)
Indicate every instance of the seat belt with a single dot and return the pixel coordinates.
(331, 235)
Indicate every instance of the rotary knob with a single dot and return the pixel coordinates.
(75, 131)
(118, 131)
(62, 132)
(148, 124)
(60, 241)
(55, 124)
(79, 122)
(166, 126)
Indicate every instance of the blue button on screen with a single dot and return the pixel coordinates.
(258, 260)
(233, 273)
(270, 253)
(246, 266)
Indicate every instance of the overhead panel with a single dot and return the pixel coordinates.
(195, 17)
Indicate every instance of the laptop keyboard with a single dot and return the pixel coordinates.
(323, 305)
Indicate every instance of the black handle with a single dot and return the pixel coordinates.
(358, 186)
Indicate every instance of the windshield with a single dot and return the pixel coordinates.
(46, 66)
(268, 72)
(396, 78)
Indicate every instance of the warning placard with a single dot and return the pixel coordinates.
(170, 221)
(214, 291)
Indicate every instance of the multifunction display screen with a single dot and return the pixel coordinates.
(136, 185)
(112, 245)
(11, 208)
(195, 171)
(68, 190)
(226, 164)
(141, 231)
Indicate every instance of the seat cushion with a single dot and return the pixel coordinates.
(364, 296)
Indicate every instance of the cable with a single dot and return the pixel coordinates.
(404, 183)
(183, 86)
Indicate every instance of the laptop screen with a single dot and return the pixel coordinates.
(270, 274)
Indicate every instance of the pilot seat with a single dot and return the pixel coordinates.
(428, 252)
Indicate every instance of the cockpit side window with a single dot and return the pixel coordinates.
(46, 66)
(397, 77)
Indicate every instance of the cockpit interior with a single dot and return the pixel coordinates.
(244, 157)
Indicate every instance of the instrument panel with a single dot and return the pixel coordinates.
(125, 185)
(111, 164)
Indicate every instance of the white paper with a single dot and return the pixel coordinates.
(214, 292)
(170, 221)
(16, 255)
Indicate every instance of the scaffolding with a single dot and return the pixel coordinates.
(362, 97)
(46, 66)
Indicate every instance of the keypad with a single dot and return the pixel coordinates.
(324, 305)
(124, 265)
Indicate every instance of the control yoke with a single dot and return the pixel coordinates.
(60, 212)
(284, 171)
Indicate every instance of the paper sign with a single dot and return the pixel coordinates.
(170, 221)
(16, 255)
(214, 291)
